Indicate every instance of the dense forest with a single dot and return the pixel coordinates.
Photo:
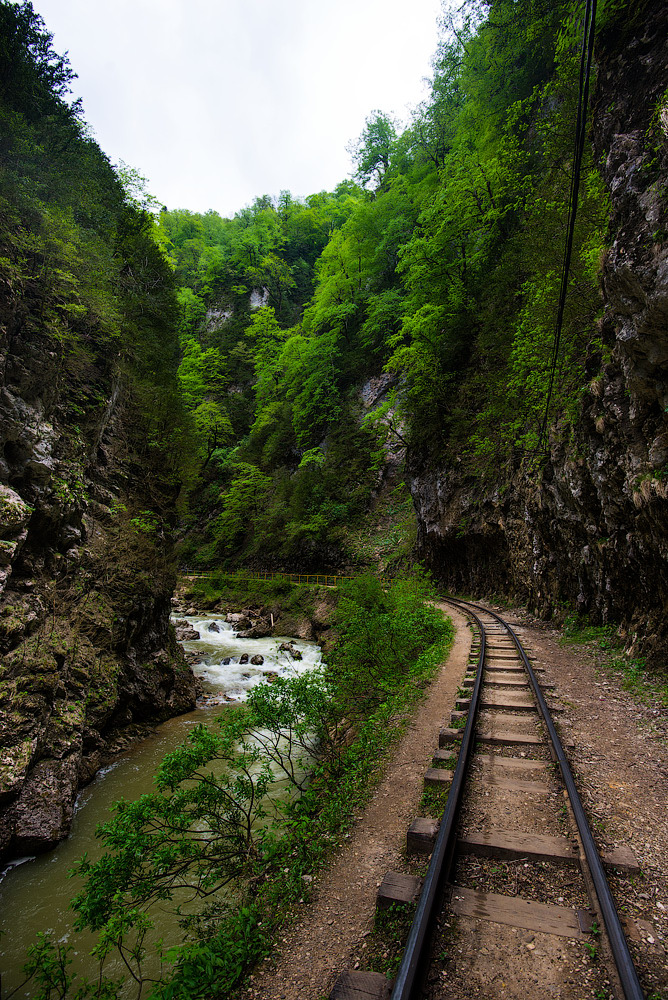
(436, 267)
(439, 267)
(351, 380)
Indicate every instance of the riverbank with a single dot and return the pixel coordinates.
(35, 890)
(327, 731)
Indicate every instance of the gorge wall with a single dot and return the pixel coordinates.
(588, 529)
(85, 574)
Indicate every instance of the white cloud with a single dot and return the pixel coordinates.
(218, 101)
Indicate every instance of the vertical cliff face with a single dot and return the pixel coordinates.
(85, 572)
(589, 529)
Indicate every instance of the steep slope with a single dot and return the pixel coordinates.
(86, 589)
(587, 527)
(89, 451)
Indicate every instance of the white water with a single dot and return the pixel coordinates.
(35, 892)
(232, 681)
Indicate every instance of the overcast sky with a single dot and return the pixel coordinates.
(218, 101)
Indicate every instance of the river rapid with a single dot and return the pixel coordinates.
(35, 891)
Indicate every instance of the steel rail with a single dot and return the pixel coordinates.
(618, 944)
(408, 976)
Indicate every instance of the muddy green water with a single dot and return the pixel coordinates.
(35, 893)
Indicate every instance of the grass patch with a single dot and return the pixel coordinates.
(433, 802)
(632, 673)
(386, 943)
(578, 629)
(635, 678)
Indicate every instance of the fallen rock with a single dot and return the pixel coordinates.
(239, 622)
(257, 660)
(213, 627)
(243, 658)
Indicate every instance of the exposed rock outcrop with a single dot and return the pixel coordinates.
(85, 577)
(592, 531)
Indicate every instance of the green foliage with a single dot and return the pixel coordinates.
(220, 818)
(433, 802)
(390, 932)
(578, 628)
(444, 271)
(374, 148)
(77, 251)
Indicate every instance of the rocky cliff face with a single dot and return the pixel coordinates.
(590, 531)
(85, 575)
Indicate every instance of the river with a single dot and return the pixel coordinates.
(35, 891)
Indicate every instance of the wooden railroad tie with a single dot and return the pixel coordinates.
(511, 763)
(544, 917)
(506, 668)
(511, 845)
(437, 777)
(504, 681)
(397, 888)
(448, 736)
(352, 985)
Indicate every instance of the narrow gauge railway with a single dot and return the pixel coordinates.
(502, 739)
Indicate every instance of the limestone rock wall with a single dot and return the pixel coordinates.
(592, 530)
(85, 577)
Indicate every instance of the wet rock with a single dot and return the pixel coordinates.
(213, 627)
(46, 804)
(225, 661)
(243, 658)
(14, 517)
(257, 660)
(290, 649)
(259, 630)
(271, 676)
(188, 634)
(240, 622)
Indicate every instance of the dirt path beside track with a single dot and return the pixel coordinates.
(329, 934)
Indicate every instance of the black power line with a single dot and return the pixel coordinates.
(580, 136)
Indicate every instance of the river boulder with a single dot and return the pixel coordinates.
(187, 634)
(290, 649)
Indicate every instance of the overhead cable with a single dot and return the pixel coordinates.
(580, 137)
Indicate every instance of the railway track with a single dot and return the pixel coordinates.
(502, 763)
